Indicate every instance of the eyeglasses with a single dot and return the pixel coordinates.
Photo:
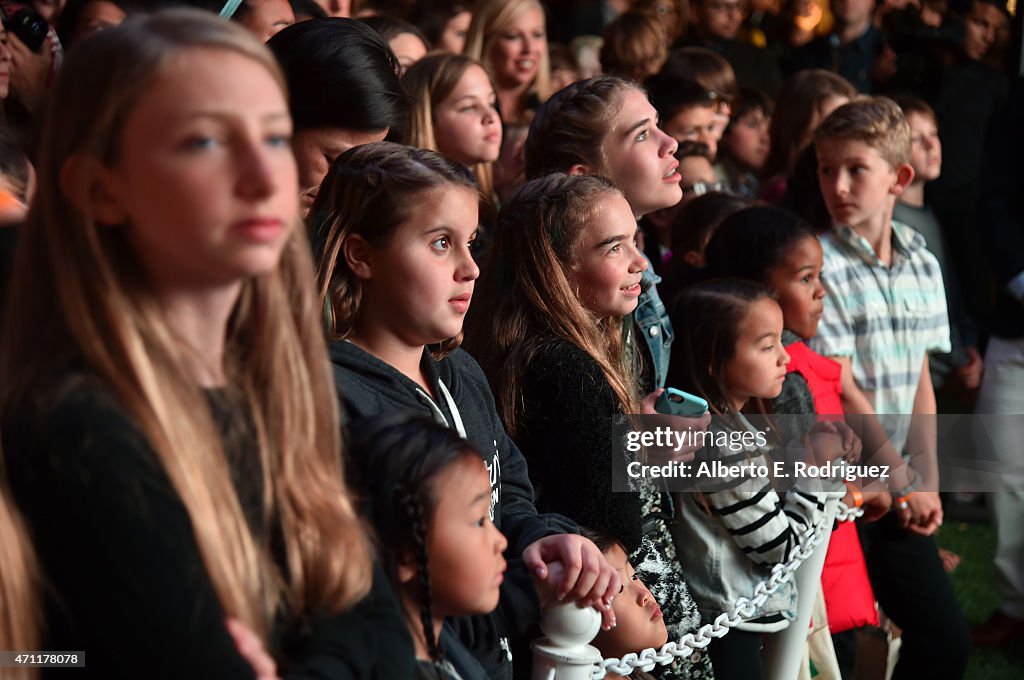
(719, 97)
(701, 188)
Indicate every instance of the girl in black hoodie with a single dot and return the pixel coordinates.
(393, 228)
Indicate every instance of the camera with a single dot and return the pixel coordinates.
(30, 28)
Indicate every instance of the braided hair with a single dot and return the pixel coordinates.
(395, 461)
(418, 526)
(753, 242)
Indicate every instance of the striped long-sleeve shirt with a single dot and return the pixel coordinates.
(764, 524)
(732, 534)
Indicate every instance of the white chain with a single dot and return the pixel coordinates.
(743, 609)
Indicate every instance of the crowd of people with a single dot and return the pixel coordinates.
(320, 318)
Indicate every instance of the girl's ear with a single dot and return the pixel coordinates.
(357, 253)
(579, 169)
(904, 176)
(694, 259)
(406, 572)
(90, 187)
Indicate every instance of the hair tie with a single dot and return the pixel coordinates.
(229, 8)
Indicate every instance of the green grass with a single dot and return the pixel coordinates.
(975, 590)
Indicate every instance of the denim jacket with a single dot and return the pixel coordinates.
(653, 324)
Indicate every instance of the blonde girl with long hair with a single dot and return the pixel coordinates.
(509, 37)
(170, 428)
(454, 112)
(19, 613)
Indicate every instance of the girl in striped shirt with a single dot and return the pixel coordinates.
(737, 526)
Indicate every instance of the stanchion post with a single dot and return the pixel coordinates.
(564, 652)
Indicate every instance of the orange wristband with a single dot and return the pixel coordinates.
(858, 497)
(902, 500)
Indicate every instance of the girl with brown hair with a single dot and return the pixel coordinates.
(393, 228)
(806, 99)
(563, 276)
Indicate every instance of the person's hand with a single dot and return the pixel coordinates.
(683, 448)
(923, 514)
(30, 71)
(823, 443)
(876, 504)
(970, 373)
(950, 560)
(885, 65)
(251, 649)
(852, 445)
(571, 566)
(648, 403)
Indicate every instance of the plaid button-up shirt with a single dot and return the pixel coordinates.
(885, 318)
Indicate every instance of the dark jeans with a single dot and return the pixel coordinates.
(914, 590)
(737, 656)
(845, 645)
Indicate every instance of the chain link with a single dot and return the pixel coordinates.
(743, 609)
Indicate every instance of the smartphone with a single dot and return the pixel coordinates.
(678, 403)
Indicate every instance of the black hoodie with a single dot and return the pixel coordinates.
(369, 387)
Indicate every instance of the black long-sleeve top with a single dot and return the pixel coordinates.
(125, 579)
(566, 435)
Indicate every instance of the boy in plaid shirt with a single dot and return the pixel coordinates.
(885, 309)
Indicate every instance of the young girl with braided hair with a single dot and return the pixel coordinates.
(427, 494)
(393, 228)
